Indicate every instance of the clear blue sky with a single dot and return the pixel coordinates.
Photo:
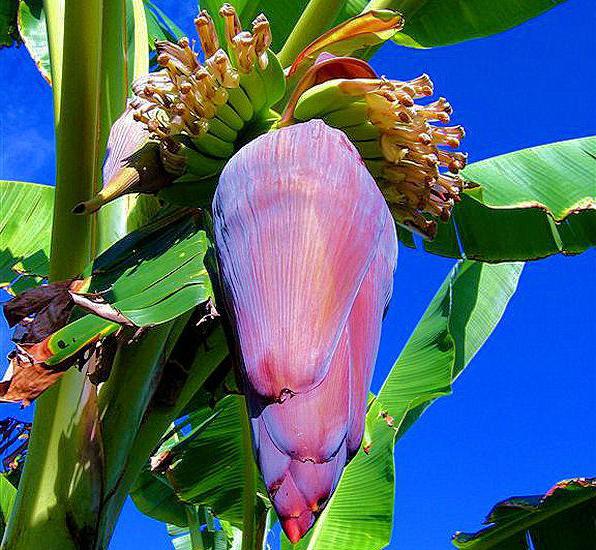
(523, 415)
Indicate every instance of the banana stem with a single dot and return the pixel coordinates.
(249, 533)
(317, 18)
(59, 492)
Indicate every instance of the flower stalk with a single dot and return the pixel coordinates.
(317, 17)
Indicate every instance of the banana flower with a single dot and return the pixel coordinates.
(307, 249)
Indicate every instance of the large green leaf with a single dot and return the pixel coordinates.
(154, 494)
(528, 205)
(203, 467)
(218, 481)
(25, 228)
(565, 518)
(456, 324)
(440, 22)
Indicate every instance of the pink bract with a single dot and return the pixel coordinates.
(307, 249)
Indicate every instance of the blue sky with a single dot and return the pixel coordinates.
(523, 415)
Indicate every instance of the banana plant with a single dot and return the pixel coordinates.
(198, 317)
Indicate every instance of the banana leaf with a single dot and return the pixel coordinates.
(31, 21)
(150, 277)
(23, 251)
(205, 467)
(154, 494)
(564, 517)
(459, 319)
(431, 23)
(8, 23)
(525, 205)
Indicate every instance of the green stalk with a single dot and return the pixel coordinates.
(54, 12)
(194, 527)
(114, 90)
(124, 397)
(60, 490)
(317, 18)
(249, 492)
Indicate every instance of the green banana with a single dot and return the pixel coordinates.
(363, 132)
(222, 130)
(355, 115)
(323, 99)
(274, 80)
(190, 190)
(239, 101)
(254, 88)
(213, 146)
(201, 165)
(369, 149)
(260, 125)
(230, 117)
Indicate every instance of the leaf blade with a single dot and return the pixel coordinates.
(529, 204)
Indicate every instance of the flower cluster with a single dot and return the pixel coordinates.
(183, 97)
(418, 176)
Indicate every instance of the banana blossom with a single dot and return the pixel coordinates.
(307, 249)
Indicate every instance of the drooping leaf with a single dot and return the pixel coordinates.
(155, 497)
(456, 324)
(528, 205)
(25, 229)
(219, 481)
(150, 277)
(205, 468)
(432, 23)
(564, 517)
